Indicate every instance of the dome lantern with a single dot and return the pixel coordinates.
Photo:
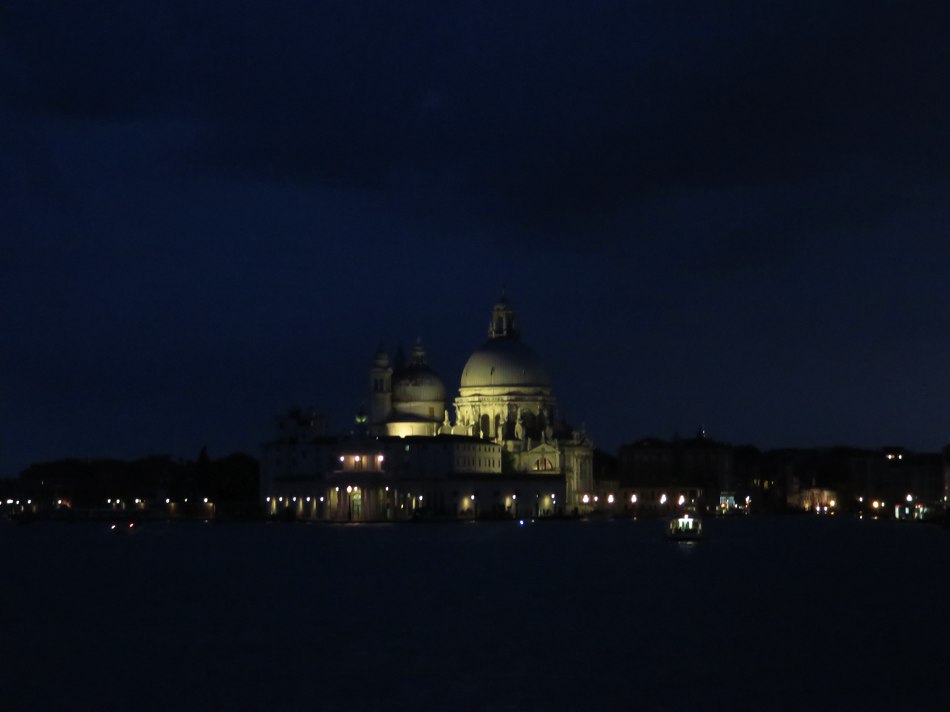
(503, 323)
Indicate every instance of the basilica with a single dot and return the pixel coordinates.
(498, 449)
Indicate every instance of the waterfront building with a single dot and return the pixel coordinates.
(655, 476)
(505, 453)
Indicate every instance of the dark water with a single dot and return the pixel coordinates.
(765, 614)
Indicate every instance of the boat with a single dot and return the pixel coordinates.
(685, 528)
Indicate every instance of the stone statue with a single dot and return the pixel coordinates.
(519, 429)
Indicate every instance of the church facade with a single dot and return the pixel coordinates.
(499, 448)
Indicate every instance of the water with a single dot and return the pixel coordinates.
(764, 614)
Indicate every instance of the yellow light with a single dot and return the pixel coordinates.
(910, 498)
(321, 499)
(633, 499)
(342, 458)
(473, 498)
(681, 500)
(610, 499)
(514, 496)
(349, 489)
(662, 499)
(308, 499)
(206, 500)
(168, 501)
(380, 458)
(356, 458)
(832, 503)
(59, 501)
(875, 504)
(586, 498)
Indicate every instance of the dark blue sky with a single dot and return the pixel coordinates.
(730, 215)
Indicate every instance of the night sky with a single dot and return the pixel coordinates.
(733, 214)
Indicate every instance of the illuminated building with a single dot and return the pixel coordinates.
(505, 396)
(505, 453)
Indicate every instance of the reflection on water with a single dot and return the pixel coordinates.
(781, 613)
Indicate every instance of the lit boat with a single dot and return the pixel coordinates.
(685, 528)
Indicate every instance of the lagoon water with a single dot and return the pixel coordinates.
(780, 613)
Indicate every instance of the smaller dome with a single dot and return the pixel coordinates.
(416, 383)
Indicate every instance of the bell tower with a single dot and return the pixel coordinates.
(380, 388)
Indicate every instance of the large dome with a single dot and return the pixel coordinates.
(504, 362)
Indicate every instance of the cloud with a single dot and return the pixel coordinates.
(542, 116)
